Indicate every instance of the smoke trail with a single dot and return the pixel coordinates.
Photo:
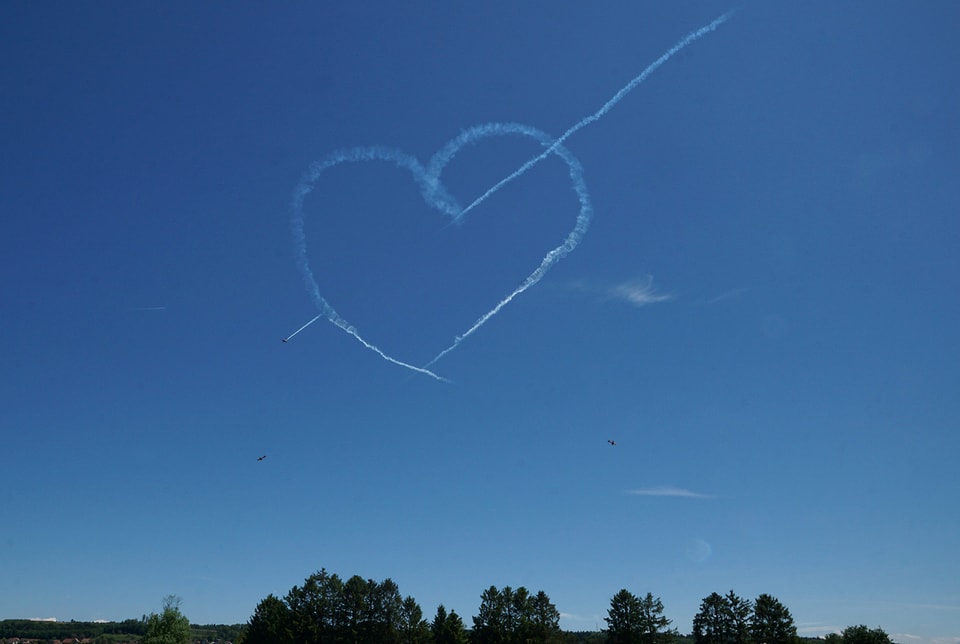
(555, 255)
(303, 327)
(626, 89)
(436, 196)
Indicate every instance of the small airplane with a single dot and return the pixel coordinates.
(611, 442)
(284, 340)
(262, 457)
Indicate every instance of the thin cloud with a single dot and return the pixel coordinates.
(669, 490)
(638, 292)
(729, 295)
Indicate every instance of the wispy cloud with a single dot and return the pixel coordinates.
(729, 295)
(638, 292)
(150, 308)
(669, 490)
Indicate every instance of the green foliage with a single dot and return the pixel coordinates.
(731, 619)
(28, 629)
(325, 609)
(106, 632)
(631, 620)
(623, 618)
(448, 629)
(216, 632)
(545, 619)
(513, 616)
(859, 635)
(412, 628)
(740, 611)
(714, 623)
(270, 623)
(170, 627)
(863, 635)
(771, 622)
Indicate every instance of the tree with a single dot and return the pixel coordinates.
(448, 629)
(771, 622)
(544, 619)
(271, 623)
(518, 613)
(740, 611)
(316, 607)
(863, 635)
(325, 609)
(714, 623)
(412, 628)
(511, 616)
(623, 618)
(170, 627)
(386, 611)
(488, 623)
(632, 620)
(654, 626)
(355, 610)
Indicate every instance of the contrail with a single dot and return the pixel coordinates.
(303, 327)
(555, 255)
(436, 196)
(626, 89)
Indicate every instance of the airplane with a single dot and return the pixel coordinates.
(262, 457)
(611, 442)
(284, 340)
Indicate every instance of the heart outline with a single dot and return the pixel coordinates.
(438, 197)
(445, 202)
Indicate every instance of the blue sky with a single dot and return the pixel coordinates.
(763, 313)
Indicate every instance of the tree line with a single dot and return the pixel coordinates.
(128, 630)
(327, 610)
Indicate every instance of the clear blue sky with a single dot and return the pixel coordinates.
(763, 314)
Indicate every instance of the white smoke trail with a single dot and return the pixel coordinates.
(320, 315)
(440, 199)
(437, 196)
(626, 89)
(555, 255)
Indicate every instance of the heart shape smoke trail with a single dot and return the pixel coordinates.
(437, 196)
